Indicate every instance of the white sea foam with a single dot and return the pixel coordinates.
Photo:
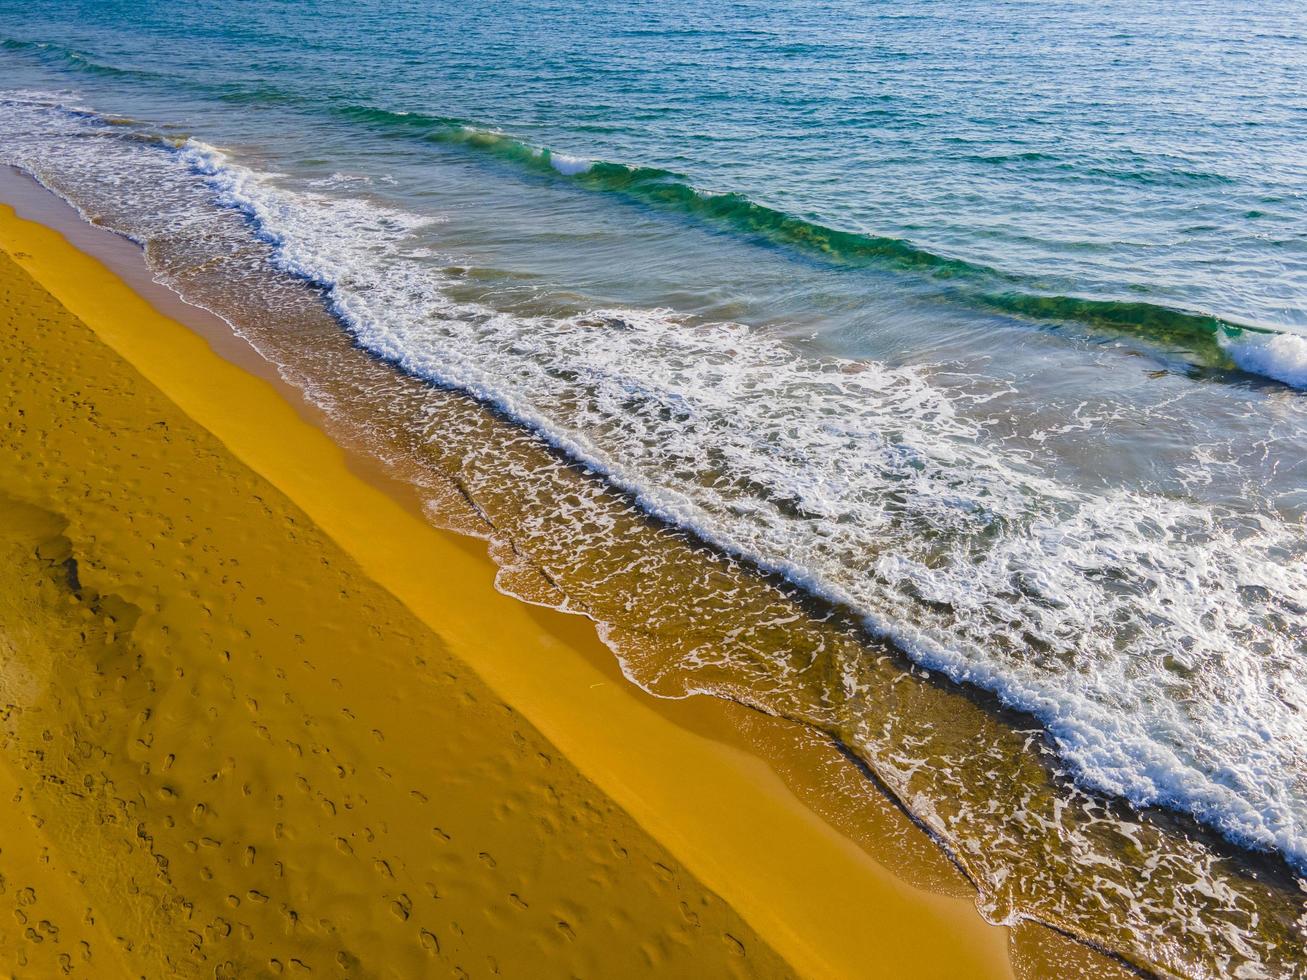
(1158, 639)
(569, 166)
(1282, 356)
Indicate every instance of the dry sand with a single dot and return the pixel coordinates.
(259, 718)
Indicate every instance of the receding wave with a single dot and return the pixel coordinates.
(871, 487)
(1034, 567)
(1204, 337)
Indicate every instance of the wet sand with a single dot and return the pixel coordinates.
(261, 717)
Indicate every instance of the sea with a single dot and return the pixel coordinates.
(933, 375)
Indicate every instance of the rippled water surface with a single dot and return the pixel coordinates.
(983, 326)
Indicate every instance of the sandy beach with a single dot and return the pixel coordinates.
(248, 733)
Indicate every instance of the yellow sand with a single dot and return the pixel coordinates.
(257, 717)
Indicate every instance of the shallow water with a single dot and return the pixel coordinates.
(944, 332)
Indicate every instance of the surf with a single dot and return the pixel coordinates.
(1205, 338)
(843, 460)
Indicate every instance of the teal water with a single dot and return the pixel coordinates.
(986, 321)
(1079, 163)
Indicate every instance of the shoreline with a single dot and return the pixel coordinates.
(812, 894)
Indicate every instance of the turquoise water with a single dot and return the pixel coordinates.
(986, 321)
(1065, 162)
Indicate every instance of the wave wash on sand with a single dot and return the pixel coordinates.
(864, 484)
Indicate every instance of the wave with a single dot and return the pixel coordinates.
(65, 57)
(1280, 356)
(1203, 336)
(866, 485)
(1154, 175)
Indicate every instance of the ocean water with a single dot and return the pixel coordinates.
(983, 326)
